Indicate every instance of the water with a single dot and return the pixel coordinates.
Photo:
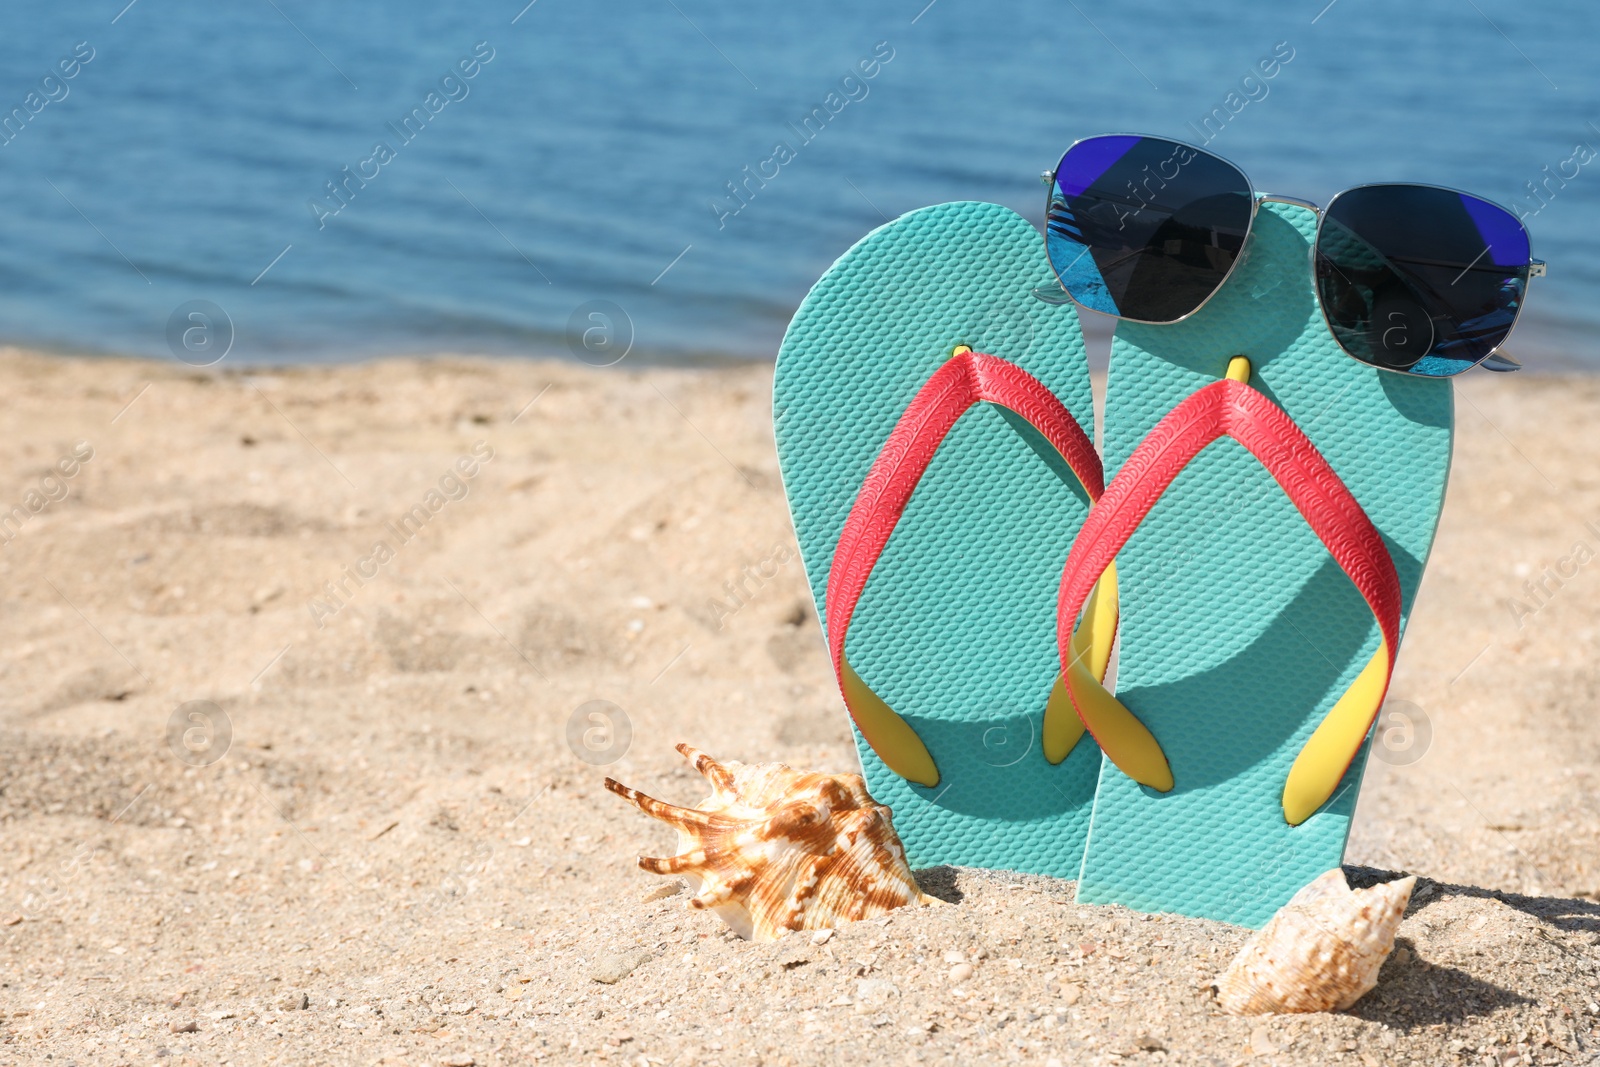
(587, 160)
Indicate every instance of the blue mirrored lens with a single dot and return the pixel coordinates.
(1422, 279)
(1143, 227)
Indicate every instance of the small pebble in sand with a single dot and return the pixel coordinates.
(615, 966)
(460, 1059)
(293, 1002)
(960, 973)
(1070, 993)
(662, 892)
(11, 920)
(1261, 1042)
(955, 957)
(184, 1026)
(821, 937)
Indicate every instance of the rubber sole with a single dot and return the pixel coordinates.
(1238, 630)
(956, 628)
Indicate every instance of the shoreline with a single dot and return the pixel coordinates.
(1548, 359)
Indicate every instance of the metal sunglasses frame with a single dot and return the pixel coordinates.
(1495, 360)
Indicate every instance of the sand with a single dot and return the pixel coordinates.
(370, 841)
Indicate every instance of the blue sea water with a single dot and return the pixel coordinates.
(588, 156)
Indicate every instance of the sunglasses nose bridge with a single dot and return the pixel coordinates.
(1275, 198)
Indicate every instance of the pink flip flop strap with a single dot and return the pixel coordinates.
(1232, 409)
(960, 383)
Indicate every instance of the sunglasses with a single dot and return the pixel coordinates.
(1416, 279)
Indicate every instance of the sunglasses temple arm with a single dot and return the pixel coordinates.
(1499, 361)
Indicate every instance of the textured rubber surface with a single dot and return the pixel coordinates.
(1238, 630)
(956, 628)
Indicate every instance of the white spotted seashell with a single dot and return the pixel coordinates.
(773, 849)
(1320, 952)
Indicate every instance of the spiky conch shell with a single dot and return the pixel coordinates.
(774, 849)
(1320, 952)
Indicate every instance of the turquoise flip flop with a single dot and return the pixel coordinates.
(1253, 653)
(930, 417)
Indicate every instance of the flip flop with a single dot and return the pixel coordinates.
(1265, 582)
(930, 418)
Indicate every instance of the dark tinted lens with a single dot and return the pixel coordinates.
(1143, 227)
(1420, 279)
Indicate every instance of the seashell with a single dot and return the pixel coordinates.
(1320, 952)
(773, 849)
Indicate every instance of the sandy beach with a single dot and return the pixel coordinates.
(291, 659)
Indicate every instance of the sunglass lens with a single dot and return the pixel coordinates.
(1418, 278)
(1145, 228)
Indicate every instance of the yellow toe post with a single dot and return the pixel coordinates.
(890, 736)
(1238, 369)
(1122, 737)
(1327, 755)
(1091, 645)
(1062, 727)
